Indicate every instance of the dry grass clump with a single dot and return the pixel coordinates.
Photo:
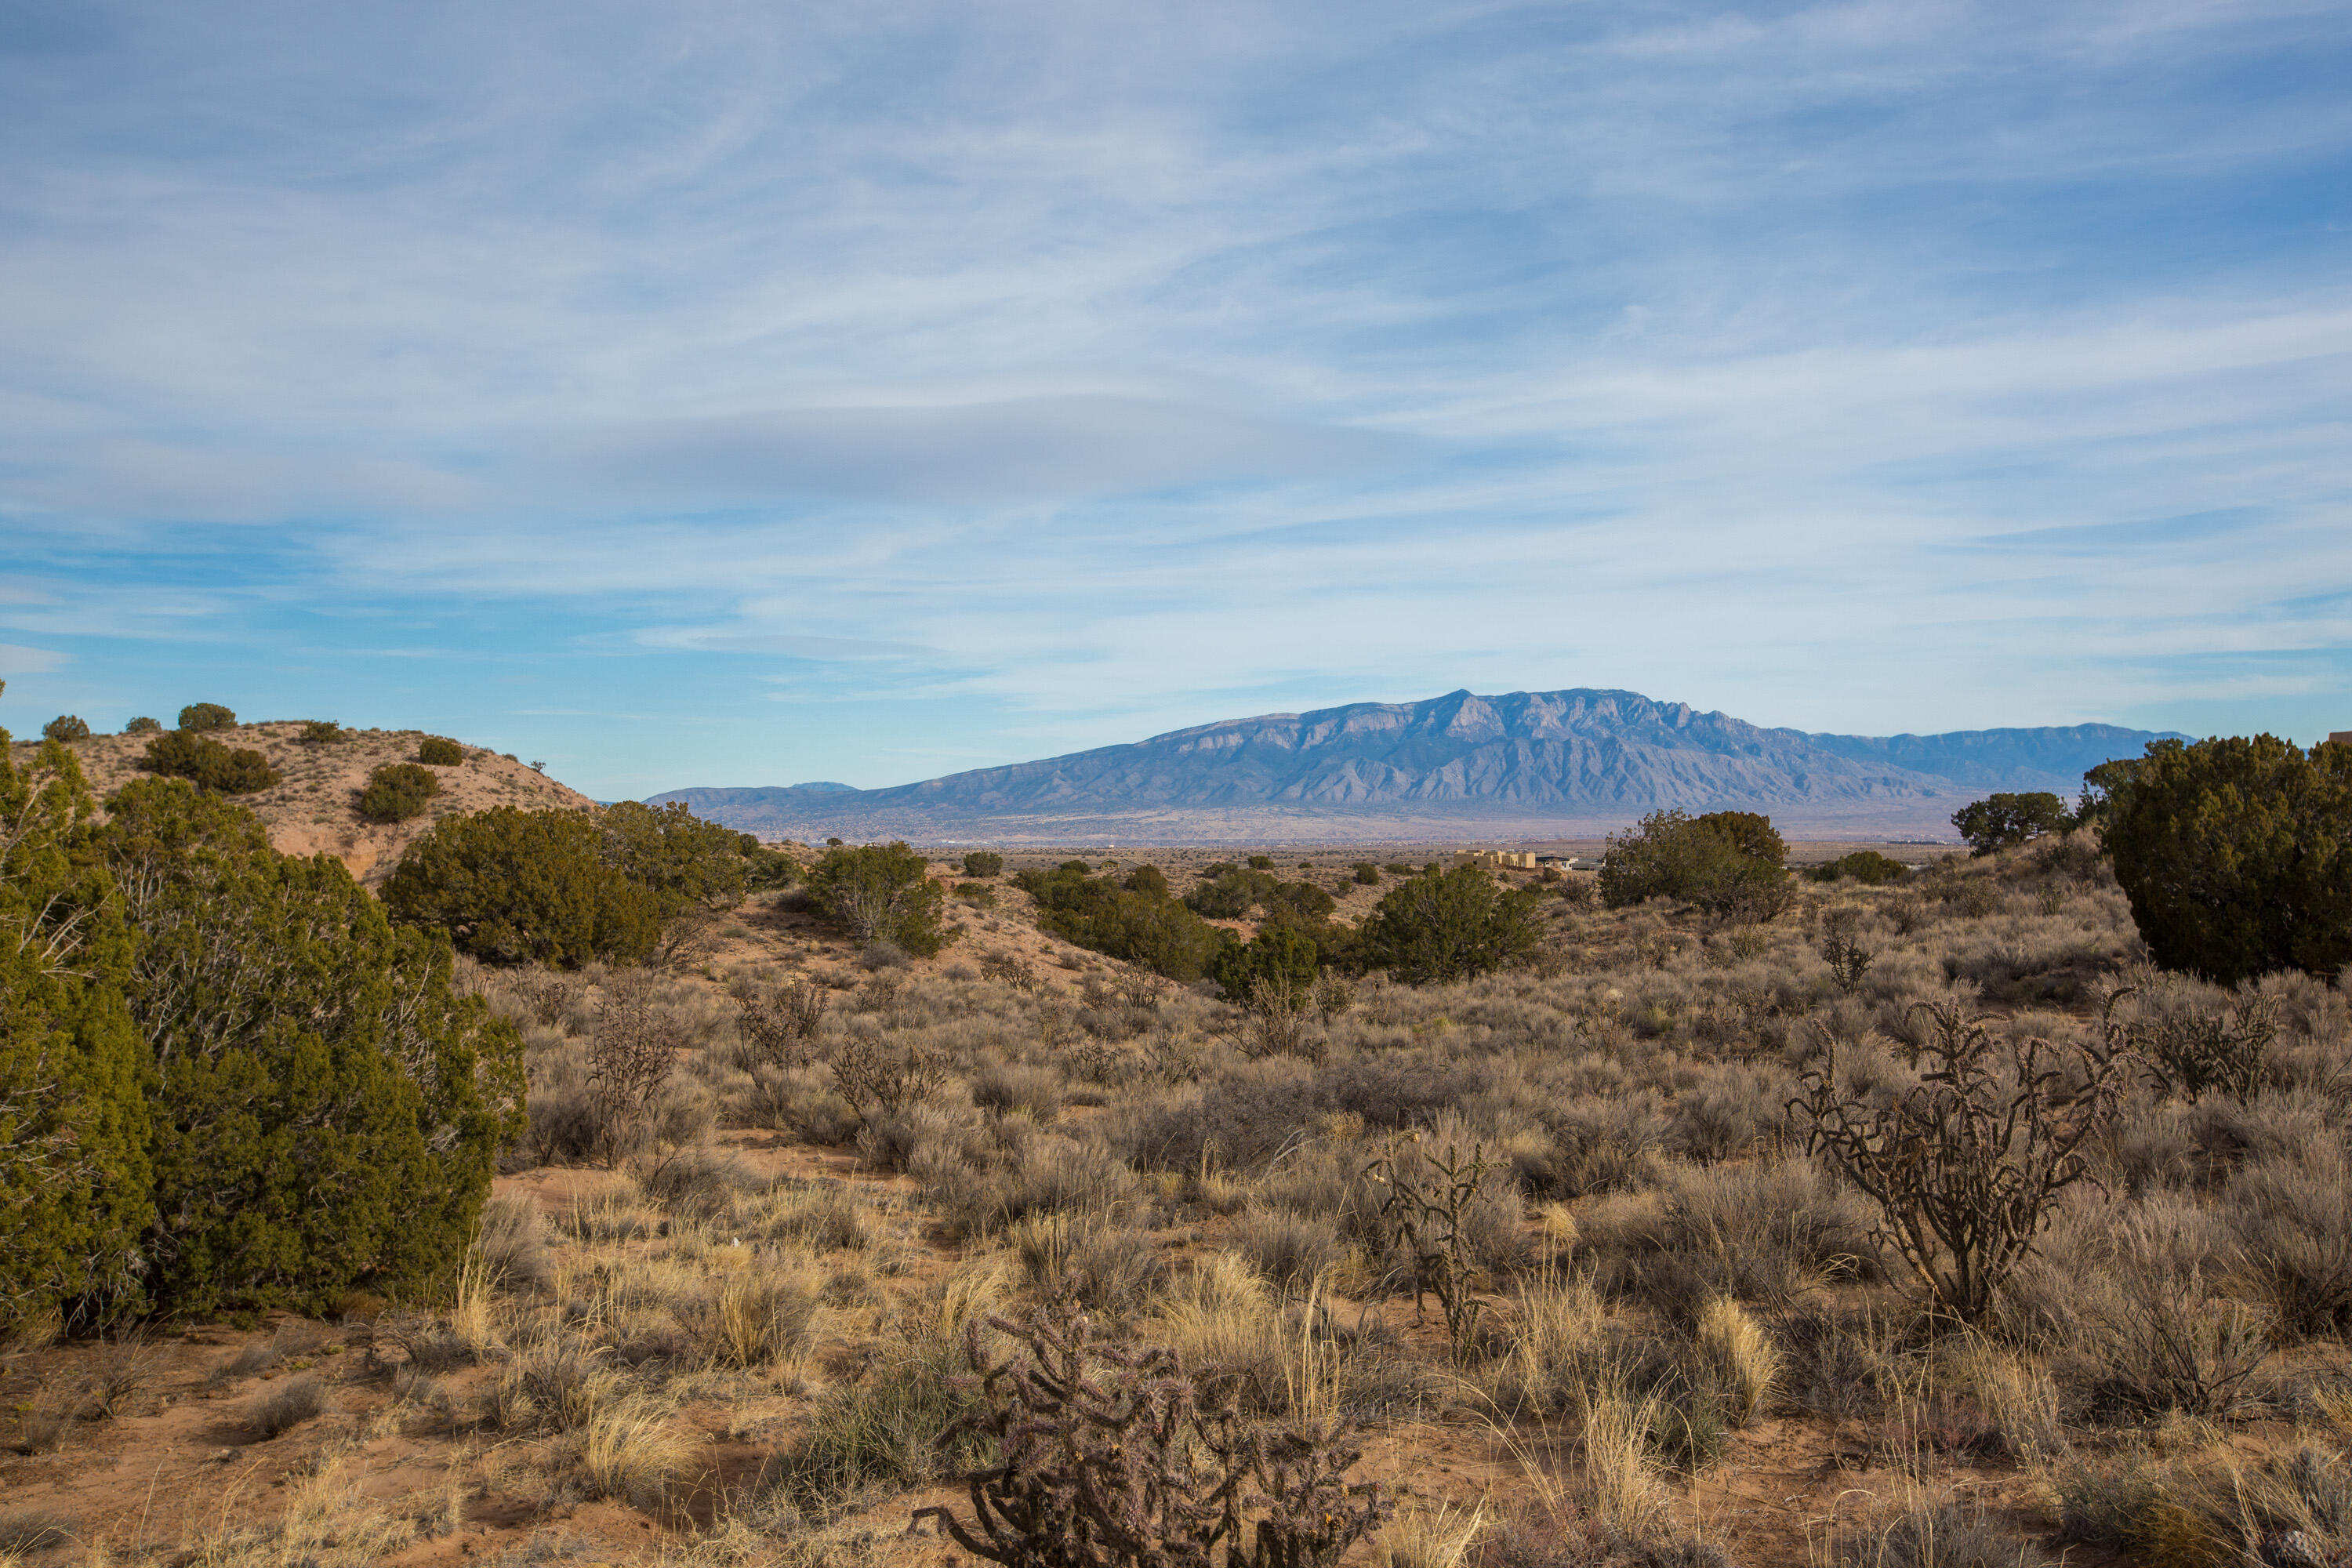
(824, 1217)
(1294, 1252)
(1108, 1266)
(556, 1385)
(512, 1245)
(2213, 1507)
(298, 1399)
(1939, 1534)
(27, 1531)
(631, 1451)
(1744, 1361)
(979, 1196)
(889, 1431)
(764, 1314)
(1558, 1334)
(1425, 1537)
(2293, 1217)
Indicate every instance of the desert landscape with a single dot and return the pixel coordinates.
(1564, 1255)
(1270, 785)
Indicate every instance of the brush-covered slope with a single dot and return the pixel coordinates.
(315, 807)
(1566, 755)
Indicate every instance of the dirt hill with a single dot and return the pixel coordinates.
(315, 808)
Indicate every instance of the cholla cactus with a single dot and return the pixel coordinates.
(1116, 1457)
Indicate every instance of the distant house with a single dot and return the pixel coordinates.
(1523, 859)
(2341, 737)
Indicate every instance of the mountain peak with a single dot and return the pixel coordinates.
(1581, 754)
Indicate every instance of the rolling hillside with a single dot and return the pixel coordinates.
(316, 807)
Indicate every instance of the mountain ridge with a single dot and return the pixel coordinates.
(1576, 755)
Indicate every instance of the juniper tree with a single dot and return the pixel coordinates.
(74, 1178)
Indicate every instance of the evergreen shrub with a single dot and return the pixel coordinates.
(143, 725)
(1132, 919)
(1442, 926)
(65, 727)
(1868, 867)
(199, 716)
(2005, 821)
(397, 792)
(1729, 863)
(1284, 960)
(325, 1107)
(2236, 856)
(440, 753)
(984, 863)
(525, 887)
(208, 765)
(881, 893)
(74, 1176)
(685, 860)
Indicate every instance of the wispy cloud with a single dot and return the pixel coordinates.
(1060, 372)
(15, 660)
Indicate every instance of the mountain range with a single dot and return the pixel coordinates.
(1530, 763)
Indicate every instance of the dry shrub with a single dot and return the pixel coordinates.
(122, 1370)
(1599, 1145)
(2197, 1047)
(2293, 1219)
(630, 1057)
(1105, 1454)
(1720, 1118)
(287, 1405)
(697, 1182)
(1034, 1091)
(2166, 1338)
(1846, 1365)
(1292, 1251)
(1065, 1178)
(556, 1385)
(825, 1217)
(1945, 1534)
(1254, 1111)
(251, 1358)
(880, 1077)
(896, 1428)
(512, 1245)
(803, 1102)
(2213, 1508)
(2018, 1398)
(1105, 1266)
(779, 1029)
(1769, 1234)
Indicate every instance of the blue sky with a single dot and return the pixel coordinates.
(722, 394)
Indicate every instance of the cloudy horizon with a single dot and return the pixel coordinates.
(731, 394)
